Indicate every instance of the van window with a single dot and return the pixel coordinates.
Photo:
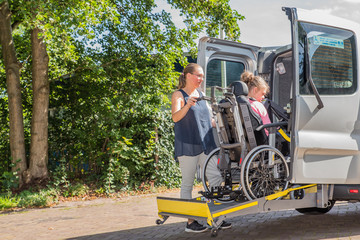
(332, 56)
(222, 73)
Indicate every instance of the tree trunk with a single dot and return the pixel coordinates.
(12, 68)
(39, 122)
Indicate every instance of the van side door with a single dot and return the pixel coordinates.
(224, 61)
(325, 125)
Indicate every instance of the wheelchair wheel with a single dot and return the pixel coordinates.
(264, 171)
(212, 177)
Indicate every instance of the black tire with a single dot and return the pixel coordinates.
(258, 178)
(297, 194)
(212, 176)
(315, 210)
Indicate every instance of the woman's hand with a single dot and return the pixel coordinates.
(178, 106)
(191, 102)
(213, 123)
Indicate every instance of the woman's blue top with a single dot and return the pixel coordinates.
(193, 133)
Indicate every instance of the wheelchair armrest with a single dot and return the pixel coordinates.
(230, 145)
(270, 125)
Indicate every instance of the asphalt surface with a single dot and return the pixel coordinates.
(134, 218)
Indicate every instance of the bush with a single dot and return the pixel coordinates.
(59, 175)
(167, 171)
(31, 199)
(78, 190)
(135, 162)
(8, 181)
(7, 201)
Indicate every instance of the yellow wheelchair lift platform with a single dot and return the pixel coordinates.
(214, 213)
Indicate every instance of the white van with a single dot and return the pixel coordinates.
(316, 78)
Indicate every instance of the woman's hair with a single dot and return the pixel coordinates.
(254, 81)
(190, 68)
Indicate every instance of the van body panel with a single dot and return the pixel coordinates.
(325, 140)
(223, 61)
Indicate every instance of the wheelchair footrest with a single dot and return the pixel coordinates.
(221, 192)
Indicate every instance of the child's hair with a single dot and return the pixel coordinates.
(254, 81)
(190, 68)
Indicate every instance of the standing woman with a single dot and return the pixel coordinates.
(193, 132)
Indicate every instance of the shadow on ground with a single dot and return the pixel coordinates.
(273, 225)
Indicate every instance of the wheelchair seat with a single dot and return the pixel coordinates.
(240, 90)
(234, 171)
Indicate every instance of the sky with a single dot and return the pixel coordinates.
(266, 24)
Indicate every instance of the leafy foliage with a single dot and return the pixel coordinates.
(111, 72)
(8, 201)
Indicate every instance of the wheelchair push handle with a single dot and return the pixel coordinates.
(203, 98)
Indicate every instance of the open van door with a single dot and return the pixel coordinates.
(325, 123)
(224, 61)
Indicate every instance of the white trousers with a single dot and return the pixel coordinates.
(188, 167)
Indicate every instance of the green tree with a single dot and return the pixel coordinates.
(106, 68)
(12, 69)
(46, 21)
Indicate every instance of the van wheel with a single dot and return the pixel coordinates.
(315, 210)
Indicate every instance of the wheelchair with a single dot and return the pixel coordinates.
(244, 166)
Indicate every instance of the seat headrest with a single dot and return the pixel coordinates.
(239, 88)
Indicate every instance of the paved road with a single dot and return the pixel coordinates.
(134, 218)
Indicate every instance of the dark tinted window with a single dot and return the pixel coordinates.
(222, 73)
(332, 59)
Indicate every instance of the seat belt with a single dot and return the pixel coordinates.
(248, 126)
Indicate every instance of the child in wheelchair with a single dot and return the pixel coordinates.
(258, 89)
(265, 108)
(244, 166)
